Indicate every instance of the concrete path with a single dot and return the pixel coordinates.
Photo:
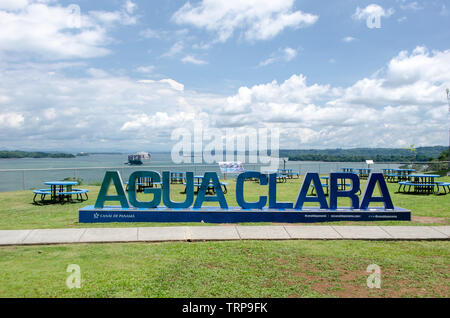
(222, 233)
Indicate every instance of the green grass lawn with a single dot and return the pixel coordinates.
(228, 269)
(222, 269)
(17, 210)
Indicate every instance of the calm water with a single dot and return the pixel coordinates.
(116, 160)
(20, 174)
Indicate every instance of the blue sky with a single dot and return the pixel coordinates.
(123, 74)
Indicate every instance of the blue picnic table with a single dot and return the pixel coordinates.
(396, 175)
(289, 173)
(422, 184)
(142, 183)
(176, 177)
(281, 177)
(342, 185)
(364, 173)
(210, 189)
(60, 191)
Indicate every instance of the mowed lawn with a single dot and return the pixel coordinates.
(228, 269)
(222, 269)
(17, 210)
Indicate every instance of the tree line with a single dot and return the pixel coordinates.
(363, 154)
(33, 154)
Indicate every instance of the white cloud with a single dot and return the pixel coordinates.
(349, 39)
(118, 112)
(52, 31)
(285, 54)
(13, 4)
(145, 69)
(176, 48)
(172, 83)
(414, 5)
(193, 60)
(159, 120)
(95, 72)
(289, 54)
(11, 120)
(150, 34)
(256, 19)
(130, 7)
(372, 10)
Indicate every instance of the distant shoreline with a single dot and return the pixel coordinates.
(33, 155)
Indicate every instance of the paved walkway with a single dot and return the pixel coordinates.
(217, 233)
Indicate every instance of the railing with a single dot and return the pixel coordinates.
(26, 179)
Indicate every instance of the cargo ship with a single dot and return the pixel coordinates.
(138, 158)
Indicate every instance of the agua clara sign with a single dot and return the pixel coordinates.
(265, 209)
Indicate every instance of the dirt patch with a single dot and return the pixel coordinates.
(337, 278)
(429, 219)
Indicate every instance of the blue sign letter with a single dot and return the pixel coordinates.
(303, 194)
(155, 177)
(240, 190)
(118, 184)
(376, 178)
(189, 191)
(273, 194)
(335, 193)
(201, 195)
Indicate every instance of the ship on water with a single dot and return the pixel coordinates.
(138, 158)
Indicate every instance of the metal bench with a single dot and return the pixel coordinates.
(424, 188)
(42, 193)
(444, 185)
(78, 192)
(295, 173)
(341, 187)
(210, 189)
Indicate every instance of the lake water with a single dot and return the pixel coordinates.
(100, 160)
(20, 174)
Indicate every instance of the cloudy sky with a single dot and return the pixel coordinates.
(121, 75)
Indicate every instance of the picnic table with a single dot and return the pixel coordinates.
(176, 177)
(364, 173)
(396, 175)
(210, 189)
(422, 184)
(281, 177)
(142, 183)
(342, 185)
(289, 173)
(60, 191)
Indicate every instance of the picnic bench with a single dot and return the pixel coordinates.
(445, 186)
(281, 177)
(342, 185)
(364, 173)
(422, 184)
(143, 183)
(60, 192)
(396, 175)
(211, 190)
(289, 173)
(176, 177)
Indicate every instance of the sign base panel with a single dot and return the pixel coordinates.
(108, 214)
